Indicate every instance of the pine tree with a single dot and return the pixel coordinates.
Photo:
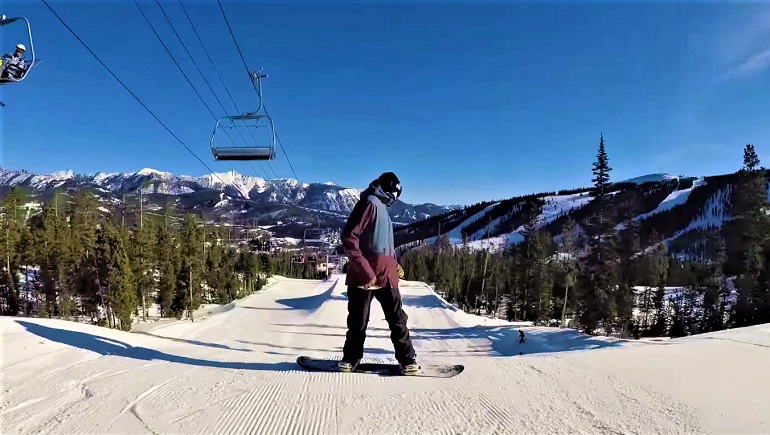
(56, 260)
(83, 221)
(715, 292)
(568, 264)
(628, 248)
(598, 277)
(11, 231)
(27, 252)
(190, 274)
(753, 224)
(141, 252)
(116, 275)
(660, 266)
(527, 270)
(167, 262)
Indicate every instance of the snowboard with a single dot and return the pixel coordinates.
(382, 368)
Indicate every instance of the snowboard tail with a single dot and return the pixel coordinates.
(381, 368)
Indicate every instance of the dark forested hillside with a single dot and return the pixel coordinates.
(673, 256)
(76, 259)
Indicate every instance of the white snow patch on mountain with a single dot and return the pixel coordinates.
(674, 199)
(150, 171)
(656, 178)
(102, 177)
(554, 207)
(244, 184)
(455, 235)
(714, 213)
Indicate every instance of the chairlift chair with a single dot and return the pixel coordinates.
(252, 122)
(247, 153)
(313, 236)
(4, 21)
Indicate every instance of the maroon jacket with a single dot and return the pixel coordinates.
(368, 242)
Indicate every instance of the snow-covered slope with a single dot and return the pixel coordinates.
(234, 372)
(554, 207)
(675, 198)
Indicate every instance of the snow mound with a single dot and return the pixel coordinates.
(235, 372)
(651, 178)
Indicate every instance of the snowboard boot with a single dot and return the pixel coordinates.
(410, 368)
(348, 366)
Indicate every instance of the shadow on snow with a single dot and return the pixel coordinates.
(369, 350)
(195, 342)
(108, 346)
(504, 340)
(309, 303)
(426, 301)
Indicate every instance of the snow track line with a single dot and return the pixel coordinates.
(31, 373)
(132, 404)
(236, 419)
(197, 411)
(695, 337)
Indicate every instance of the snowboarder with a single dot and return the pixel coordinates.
(373, 272)
(521, 337)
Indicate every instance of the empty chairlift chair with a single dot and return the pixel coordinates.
(313, 236)
(252, 124)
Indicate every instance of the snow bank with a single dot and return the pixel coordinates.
(202, 313)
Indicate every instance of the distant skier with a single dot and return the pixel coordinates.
(373, 272)
(522, 339)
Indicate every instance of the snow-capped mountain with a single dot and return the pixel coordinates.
(226, 195)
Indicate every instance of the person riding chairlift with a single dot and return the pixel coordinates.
(13, 65)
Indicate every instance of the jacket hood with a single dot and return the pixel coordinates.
(374, 189)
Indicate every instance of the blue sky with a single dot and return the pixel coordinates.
(464, 101)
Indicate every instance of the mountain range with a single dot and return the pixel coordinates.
(286, 205)
(684, 211)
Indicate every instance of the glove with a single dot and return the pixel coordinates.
(400, 272)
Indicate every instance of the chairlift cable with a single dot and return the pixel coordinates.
(205, 80)
(254, 85)
(189, 20)
(139, 100)
(177, 65)
(221, 80)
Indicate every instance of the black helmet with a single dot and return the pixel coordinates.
(390, 183)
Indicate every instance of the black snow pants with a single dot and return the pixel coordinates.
(359, 304)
